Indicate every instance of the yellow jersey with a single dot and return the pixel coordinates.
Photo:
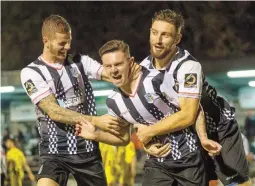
(16, 156)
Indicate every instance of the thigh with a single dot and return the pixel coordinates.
(155, 175)
(231, 164)
(192, 172)
(89, 173)
(52, 172)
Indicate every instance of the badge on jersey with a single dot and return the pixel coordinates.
(30, 87)
(149, 97)
(74, 72)
(190, 80)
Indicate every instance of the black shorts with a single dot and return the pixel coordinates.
(187, 171)
(231, 165)
(87, 172)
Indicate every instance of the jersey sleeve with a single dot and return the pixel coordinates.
(189, 77)
(35, 86)
(91, 67)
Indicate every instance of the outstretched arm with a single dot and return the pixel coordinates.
(86, 130)
(59, 114)
(211, 146)
(178, 121)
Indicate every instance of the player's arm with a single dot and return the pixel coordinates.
(27, 168)
(180, 120)
(86, 130)
(40, 93)
(121, 140)
(59, 114)
(211, 146)
(200, 126)
(190, 84)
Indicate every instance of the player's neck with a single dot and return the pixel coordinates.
(47, 56)
(161, 63)
(131, 87)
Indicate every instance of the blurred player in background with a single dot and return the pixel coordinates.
(126, 163)
(17, 163)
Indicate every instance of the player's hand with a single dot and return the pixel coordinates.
(211, 146)
(108, 123)
(157, 149)
(86, 130)
(31, 177)
(143, 133)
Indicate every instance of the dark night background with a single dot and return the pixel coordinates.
(213, 30)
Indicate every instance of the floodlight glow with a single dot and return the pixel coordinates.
(102, 92)
(241, 73)
(252, 83)
(7, 89)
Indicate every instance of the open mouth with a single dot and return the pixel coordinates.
(117, 77)
(62, 53)
(158, 48)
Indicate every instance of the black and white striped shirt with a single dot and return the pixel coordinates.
(189, 81)
(153, 100)
(69, 83)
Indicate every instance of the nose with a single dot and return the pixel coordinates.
(114, 70)
(159, 38)
(68, 46)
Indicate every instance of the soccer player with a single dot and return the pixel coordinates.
(17, 163)
(189, 82)
(147, 100)
(59, 88)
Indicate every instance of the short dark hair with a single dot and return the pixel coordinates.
(114, 45)
(170, 16)
(55, 24)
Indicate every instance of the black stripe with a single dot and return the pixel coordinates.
(57, 83)
(111, 103)
(157, 81)
(149, 106)
(132, 110)
(38, 71)
(87, 86)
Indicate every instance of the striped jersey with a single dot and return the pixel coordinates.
(152, 101)
(188, 79)
(69, 84)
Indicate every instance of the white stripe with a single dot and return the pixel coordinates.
(148, 117)
(159, 103)
(66, 82)
(124, 111)
(47, 75)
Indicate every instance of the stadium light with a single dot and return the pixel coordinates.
(102, 92)
(7, 89)
(252, 83)
(241, 73)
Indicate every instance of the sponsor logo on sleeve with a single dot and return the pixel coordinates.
(190, 80)
(30, 87)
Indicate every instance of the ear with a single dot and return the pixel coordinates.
(45, 42)
(131, 60)
(178, 39)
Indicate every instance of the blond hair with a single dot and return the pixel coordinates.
(55, 24)
(170, 16)
(114, 45)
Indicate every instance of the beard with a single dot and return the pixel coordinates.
(55, 53)
(159, 54)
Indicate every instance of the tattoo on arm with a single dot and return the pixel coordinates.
(57, 113)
